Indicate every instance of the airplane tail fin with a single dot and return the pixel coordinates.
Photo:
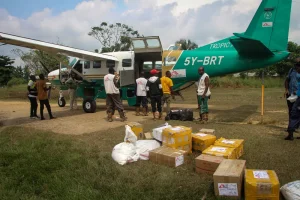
(270, 24)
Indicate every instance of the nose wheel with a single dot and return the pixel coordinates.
(61, 102)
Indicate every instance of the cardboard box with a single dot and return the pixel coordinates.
(148, 136)
(168, 156)
(203, 171)
(228, 178)
(157, 132)
(201, 141)
(238, 144)
(178, 137)
(224, 152)
(207, 164)
(137, 128)
(207, 131)
(261, 184)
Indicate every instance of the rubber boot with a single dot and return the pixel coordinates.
(290, 136)
(122, 116)
(109, 117)
(145, 113)
(137, 111)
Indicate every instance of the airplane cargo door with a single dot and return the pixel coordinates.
(146, 50)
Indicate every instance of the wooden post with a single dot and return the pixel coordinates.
(262, 97)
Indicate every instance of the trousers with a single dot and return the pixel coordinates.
(156, 103)
(167, 99)
(203, 102)
(73, 99)
(141, 100)
(294, 118)
(113, 101)
(47, 104)
(33, 106)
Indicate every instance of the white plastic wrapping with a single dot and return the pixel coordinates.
(291, 191)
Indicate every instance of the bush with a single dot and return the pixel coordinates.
(16, 81)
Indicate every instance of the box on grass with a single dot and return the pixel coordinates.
(201, 141)
(207, 131)
(178, 137)
(168, 156)
(137, 128)
(207, 164)
(238, 144)
(224, 152)
(228, 178)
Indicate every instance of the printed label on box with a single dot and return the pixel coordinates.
(228, 189)
(261, 175)
(264, 188)
(218, 149)
(179, 160)
(201, 134)
(228, 142)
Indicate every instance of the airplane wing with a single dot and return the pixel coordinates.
(52, 48)
(249, 47)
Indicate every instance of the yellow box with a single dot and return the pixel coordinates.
(202, 141)
(178, 137)
(137, 128)
(261, 184)
(225, 152)
(238, 144)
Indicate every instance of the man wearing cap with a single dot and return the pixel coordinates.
(154, 89)
(294, 118)
(113, 100)
(167, 85)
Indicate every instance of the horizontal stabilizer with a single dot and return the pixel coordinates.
(248, 47)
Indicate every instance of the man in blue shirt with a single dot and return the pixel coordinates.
(294, 116)
(291, 87)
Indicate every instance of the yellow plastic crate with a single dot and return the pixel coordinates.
(238, 144)
(225, 152)
(178, 137)
(261, 184)
(202, 141)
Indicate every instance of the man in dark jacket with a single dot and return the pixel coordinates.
(154, 89)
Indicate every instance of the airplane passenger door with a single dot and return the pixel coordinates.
(146, 49)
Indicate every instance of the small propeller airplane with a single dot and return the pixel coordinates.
(263, 43)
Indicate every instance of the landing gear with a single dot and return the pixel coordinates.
(61, 100)
(89, 105)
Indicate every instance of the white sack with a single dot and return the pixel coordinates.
(291, 191)
(157, 132)
(144, 146)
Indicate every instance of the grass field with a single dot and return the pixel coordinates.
(39, 164)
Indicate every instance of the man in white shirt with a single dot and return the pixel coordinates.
(203, 94)
(113, 100)
(141, 94)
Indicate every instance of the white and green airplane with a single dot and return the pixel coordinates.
(263, 43)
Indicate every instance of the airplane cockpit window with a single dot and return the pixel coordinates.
(126, 63)
(96, 64)
(153, 43)
(110, 63)
(147, 66)
(138, 44)
(169, 61)
(158, 65)
(86, 64)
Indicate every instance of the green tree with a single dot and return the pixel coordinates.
(187, 44)
(113, 37)
(18, 72)
(6, 69)
(26, 73)
(41, 62)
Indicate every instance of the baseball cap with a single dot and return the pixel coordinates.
(154, 71)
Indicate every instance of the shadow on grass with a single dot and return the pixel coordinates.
(238, 114)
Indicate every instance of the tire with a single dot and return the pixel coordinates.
(89, 105)
(61, 102)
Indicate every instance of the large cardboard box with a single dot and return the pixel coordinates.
(178, 137)
(261, 184)
(168, 156)
(157, 132)
(207, 131)
(207, 164)
(224, 152)
(228, 178)
(137, 128)
(201, 141)
(238, 144)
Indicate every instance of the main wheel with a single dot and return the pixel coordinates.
(89, 105)
(61, 102)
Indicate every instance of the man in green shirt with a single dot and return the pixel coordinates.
(72, 84)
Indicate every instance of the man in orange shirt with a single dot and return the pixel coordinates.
(43, 96)
(167, 85)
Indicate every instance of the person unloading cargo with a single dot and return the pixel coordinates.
(154, 89)
(203, 94)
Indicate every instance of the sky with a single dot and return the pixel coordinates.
(69, 21)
